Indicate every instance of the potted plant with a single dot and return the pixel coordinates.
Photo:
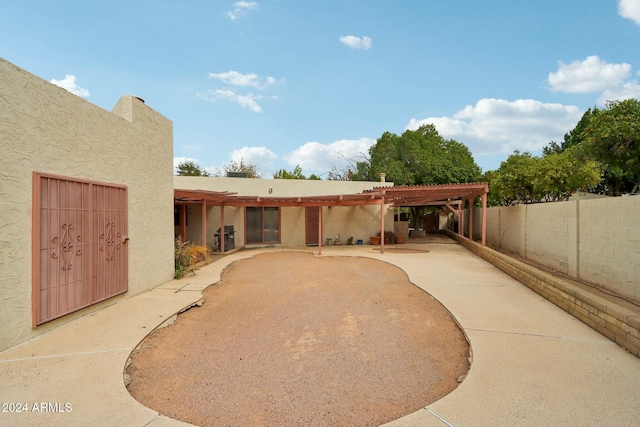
(399, 239)
(375, 240)
(389, 237)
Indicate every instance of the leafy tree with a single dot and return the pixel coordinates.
(524, 178)
(419, 157)
(612, 137)
(191, 168)
(295, 174)
(574, 137)
(242, 167)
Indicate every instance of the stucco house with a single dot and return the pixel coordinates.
(278, 211)
(85, 193)
(90, 207)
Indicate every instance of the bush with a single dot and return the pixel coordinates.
(184, 261)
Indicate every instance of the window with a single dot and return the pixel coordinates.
(262, 225)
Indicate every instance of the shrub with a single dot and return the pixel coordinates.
(183, 259)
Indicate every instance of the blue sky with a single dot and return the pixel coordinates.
(280, 83)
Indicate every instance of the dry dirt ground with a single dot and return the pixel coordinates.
(293, 339)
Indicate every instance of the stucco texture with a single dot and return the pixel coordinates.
(44, 128)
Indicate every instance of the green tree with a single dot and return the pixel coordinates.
(239, 167)
(612, 137)
(296, 173)
(573, 137)
(524, 178)
(418, 157)
(190, 168)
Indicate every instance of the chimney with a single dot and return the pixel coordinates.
(382, 176)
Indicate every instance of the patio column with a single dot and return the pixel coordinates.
(461, 218)
(320, 230)
(484, 219)
(183, 222)
(204, 223)
(221, 234)
(382, 225)
(471, 203)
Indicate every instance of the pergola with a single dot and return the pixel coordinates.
(452, 196)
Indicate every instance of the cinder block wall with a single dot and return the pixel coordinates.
(595, 240)
(621, 325)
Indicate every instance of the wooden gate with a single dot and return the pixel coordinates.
(79, 244)
(312, 219)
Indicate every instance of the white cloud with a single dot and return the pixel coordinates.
(629, 9)
(590, 75)
(235, 78)
(261, 157)
(69, 83)
(355, 42)
(322, 157)
(627, 90)
(241, 8)
(497, 126)
(247, 101)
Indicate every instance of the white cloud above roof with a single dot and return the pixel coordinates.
(498, 126)
(590, 75)
(355, 42)
(69, 83)
(323, 157)
(629, 9)
(249, 100)
(261, 157)
(236, 78)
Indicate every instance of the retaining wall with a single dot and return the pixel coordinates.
(621, 325)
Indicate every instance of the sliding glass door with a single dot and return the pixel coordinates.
(262, 225)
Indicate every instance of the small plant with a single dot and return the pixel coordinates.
(199, 253)
(183, 259)
(350, 241)
(389, 236)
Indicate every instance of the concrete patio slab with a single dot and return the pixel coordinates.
(533, 364)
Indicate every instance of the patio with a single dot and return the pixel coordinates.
(533, 364)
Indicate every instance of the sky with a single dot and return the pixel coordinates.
(280, 83)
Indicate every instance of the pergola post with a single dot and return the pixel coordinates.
(183, 222)
(484, 219)
(221, 234)
(471, 203)
(204, 222)
(461, 218)
(320, 230)
(382, 225)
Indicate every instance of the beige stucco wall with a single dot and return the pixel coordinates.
(357, 221)
(596, 240)
(45, 128)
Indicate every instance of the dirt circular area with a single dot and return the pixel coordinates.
(293, 339)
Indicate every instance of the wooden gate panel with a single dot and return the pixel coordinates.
(68, 219)
(110, 251)
(312, 219)
(62, 233)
